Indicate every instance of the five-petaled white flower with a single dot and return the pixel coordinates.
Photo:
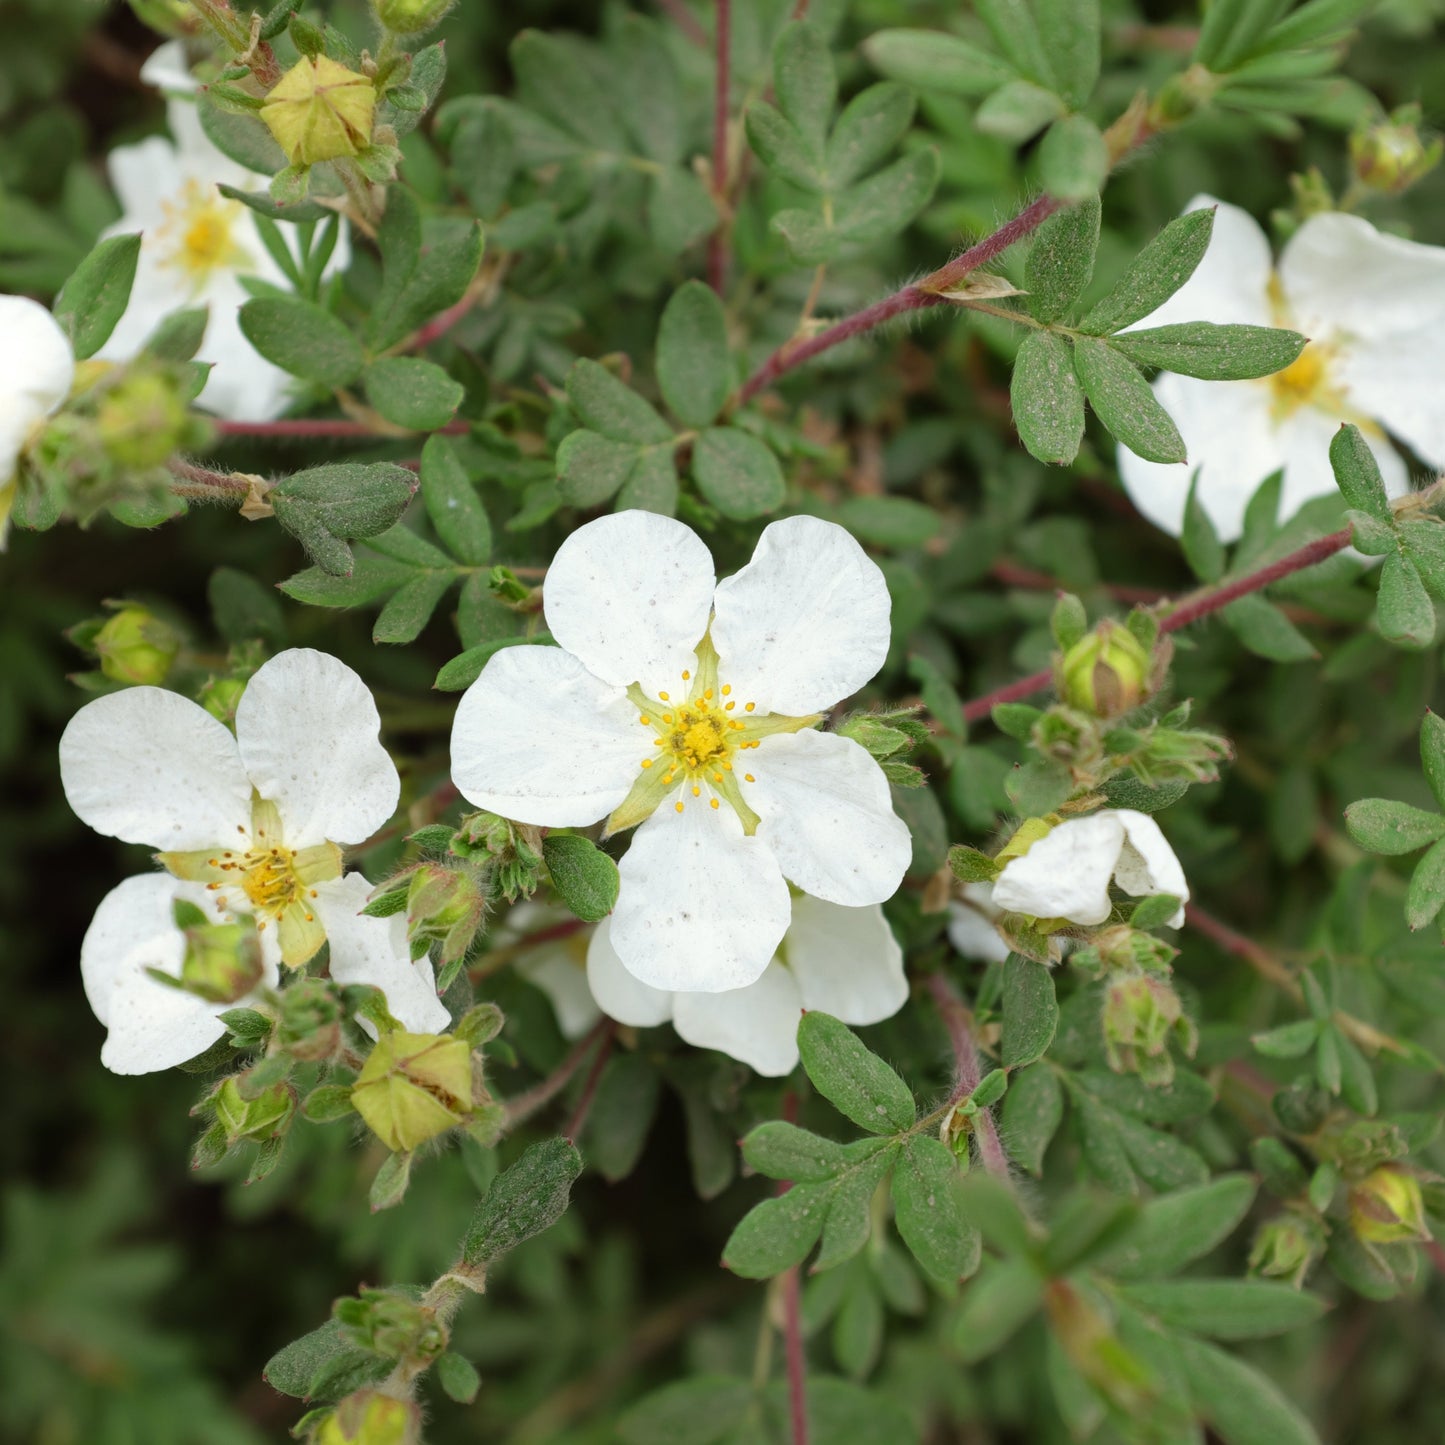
(1373, 306)
(844, 961)
(690, 706)
(196, 246)
(254, 819)
(36, 370)
(1065, 875)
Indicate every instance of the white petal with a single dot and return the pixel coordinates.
(845, 961)
(806, 623)
(1231, 283)
(167, 68)
(1066, 873)
(1147, 863)
(145, 176)
(827, 816)
(702, 907)
(150, 1025)
(618, 994)
(538, 738)
(36, 363)
(1396, 380)
(1339, 273)
(1304, 439)
(757, 1025)
(158, 289)
(374, 951)
(974, 936)
(308, 731)
(150, 766)
(629, 595)
(1229, 437)
(559, 969)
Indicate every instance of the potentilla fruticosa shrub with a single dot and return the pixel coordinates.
(906, 518)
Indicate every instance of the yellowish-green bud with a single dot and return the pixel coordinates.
(414, 1087)
(367, 1418)
(1140, 1014)
(1105, 673)
(142, 420)
(223, 960)
(220, 697)
(1287, 1246)
(261, 1118)
(310, 1023)
(1391, 155)
(319, 110)
(411, 17)
(444, 906)
(137, 647)
(1386, 1207)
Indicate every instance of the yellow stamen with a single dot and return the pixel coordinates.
(678, 806)
(685, 674)
(749, 706)
(748, 778)
(664, 697)
(712, 802)
(727, 688)
(647, 762)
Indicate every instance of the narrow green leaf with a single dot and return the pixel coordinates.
(927, 1213)
(1125, 402)
(1357, 473)
(804, 80)
(777, 142)
(1432, 753)
(293, 1370)
(582, 873)
(1405, 613)
(411, 392)
(1426, 893)
(1288, 1041)
(1178, 1228)
(1380, 825)
(94, 299)
(1244, 1407)
(1072, 35)
(898, 522)
(693, 370)
(679, 209)
(324, 506)
(1016, 32)
(452, 503)
(611, 407)
(871, 124)
(410, 607)
(784, 1151)
(1266, 631)
(524, 1199)
(178, 337)
(856, 1082)
(1202, 548)
(1073, 159)
(887, 201)
(1033, 1108)
(1030, 1011)
(1155, 274)
(1047, 400)
(591, 467)
(934, 60)
(464, 669)
(1227, 1309)
(1018, 111)
(778, 1233)
(1061, 259)
(1213, 352)
(458, 1378)
(1001, 1298)
(303, 339)
(651, 486)
(702, 1410)
(621, 1116)
(1424, 541)
(850, 1197)
(737, 473)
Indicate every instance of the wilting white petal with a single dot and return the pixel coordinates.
(150, 766)
(309, 736)
(629, 595)
(806, 623)
(1066, 873)
(970, 927)
(757, 1025)
(701, 907)
(618, 994)
(559, 969)
(845, 961)
(538, 738)
(828, 817)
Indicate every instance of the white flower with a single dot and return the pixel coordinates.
(36, 370)
(556, 963)
(167, 69)
(844, 961)
(196, 245)
(1066, 874)
(258, 818)
(970, 925)
(1373, 307)
(690, 707)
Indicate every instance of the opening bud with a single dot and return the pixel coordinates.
(1287, 1246)
(1391, 155)
(389, 1324)
(310, 1023)
(367, 1418)
(319, 110)
(414, 1087)
(143, 419)
(135, 646)
(267, 1116)
(223, 960)
(1106, 673)
(1387, 1207)
(444, 905)
(411, 17)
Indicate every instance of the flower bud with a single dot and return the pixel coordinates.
(1125, 949)
(515, 850)
(444, 906)
(414, 1087)
(319, 110)
(1387, 1207)
(1390, 155)
(223, 960)
(267, 1116)
(411, 17)
(389, 1324)
(136, 646)
(142, 420)
(1286, 1246)
(369, 1418)
(220, 697)
(1105, 673)
(310, 1023)
(1140, 1014)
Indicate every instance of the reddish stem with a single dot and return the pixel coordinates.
(797, 1364)
(524, 1105)
(589, 1087)
(717, 246)
(439, 325)
(968, 1071)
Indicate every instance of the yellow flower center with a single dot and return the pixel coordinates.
(198, 233)
(1306, 382)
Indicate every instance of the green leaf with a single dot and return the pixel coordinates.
(528, 1197)
(373, 577)
(1202, 548)
(458, 1378)
(411, 392)
(934, 60)
(927, 1213)
(778, 1233)
(464, 669)
(303, 339)
(591, 467)
(776, 142)
(1018, 111)
(1178, 1228)
(178, 337)
(850, 1214)
(621, 1115)
(1047, 400)
(1266, 631)
(1288, 1041)
(804, 80)
(1424, 543)
(1213, 352)
(410, 607)
(898, 522)
(324, 506)
(1001, 1298)
(784, 1151)
(1016, 33)
(693, 370)
(702, 1410)
(737, 473)
(1155, 911)
(244, 608)
(1426, 893)
(1061, 259)
(325, 1356)
(1380, 825)
(1084, 1225)
(1073, 40)
(244, 138)
(652, 484)
(856, 1082)
(582, 873)
(1073, 159)
(1432, 753)
(452, 503)
(1242, 1405)
(1227, 1309)
(1155, 274)
(1357, 473)
(1405, 613)
(611, 407)
(872, 123)
(679, 209)
(1033, 1108)
(424, 269)
(1030, 1011)
(1125, 402)
(554, 78)
(93, 300)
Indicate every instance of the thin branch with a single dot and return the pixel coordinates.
(523, 1106)
(589, 1088)
(202, 484)
(968, 1071)
(797, 1363)
(717, 246)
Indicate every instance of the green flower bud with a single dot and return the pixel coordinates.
(310, 1022)
(1125, 949)
(319, 110)
(267, 1116)
(1141, 1013)
(142, 420)
(367, 1418)
(444, 906)
(414, 1087)
(223, 960)
(1183, 94)
(1302, 1107)
(1286, 1246)
(136, 646)
(1391, 155)
(411, 17)
(515, 850)
(1387, 1207)
(220, 696)
(1105, 673)
(389, 1324)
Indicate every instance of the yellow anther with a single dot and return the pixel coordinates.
(729, 706)
(664, 697)
(678, 806)
(727, 688)
(647, 762)
(667, 717)
(658, 742)
(748, 778)
(717, 777)
(696, 791)
(646, 722)
(708, 694)
(685, 674)
(727, 765)
(702, 704)
(749, 706)
(712, 802)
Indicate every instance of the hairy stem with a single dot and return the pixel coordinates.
(797, 1364)
(967, 1072)
(589, 1087)
(523, 1106)
(718, 242)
